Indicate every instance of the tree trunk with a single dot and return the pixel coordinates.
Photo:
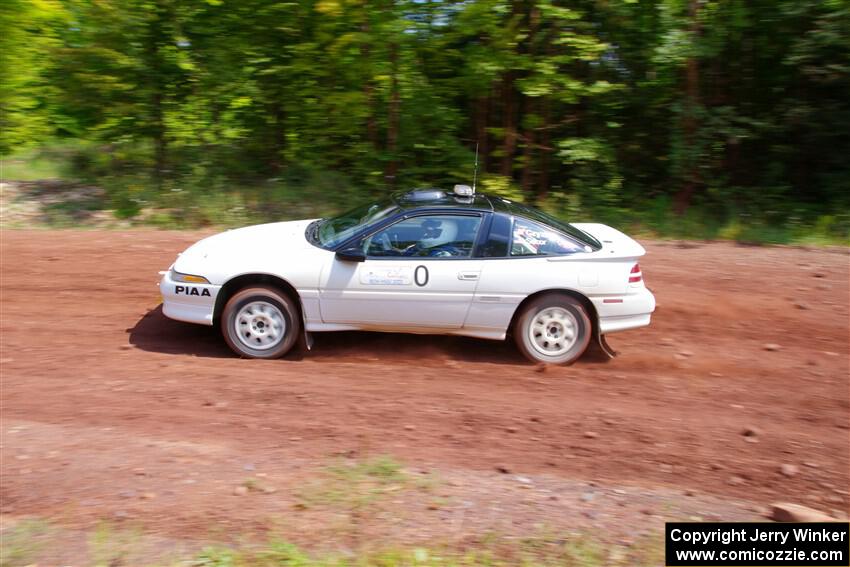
(509, 146)
(393, 123)
(691, 174)
(528, 171)
(545, 140)
(528, 151)
(482, 105)
(159, 139)
(369, 90)
(278, 144)
(156, 66)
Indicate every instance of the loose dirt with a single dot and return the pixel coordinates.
(111, 412)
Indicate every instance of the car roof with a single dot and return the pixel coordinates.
(427, 198)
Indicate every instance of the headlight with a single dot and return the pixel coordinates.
(187, 278)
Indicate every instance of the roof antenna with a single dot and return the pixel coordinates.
(475, 174)
(466, 190)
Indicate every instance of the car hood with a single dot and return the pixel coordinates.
(218, 256)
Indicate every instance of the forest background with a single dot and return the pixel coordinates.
(684, 118)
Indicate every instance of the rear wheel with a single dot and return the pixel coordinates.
(554, 329)
(260, 322)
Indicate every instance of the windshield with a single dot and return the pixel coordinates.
(333, 231)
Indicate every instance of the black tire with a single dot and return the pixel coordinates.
(561, 349)
(270, 309)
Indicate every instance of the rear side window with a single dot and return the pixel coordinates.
(534, 239)
(499, 238)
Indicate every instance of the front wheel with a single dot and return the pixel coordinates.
(554, 329)
(260, 322)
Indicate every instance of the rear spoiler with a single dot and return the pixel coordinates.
(615, 244)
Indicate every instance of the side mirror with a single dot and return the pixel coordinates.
(351, 254)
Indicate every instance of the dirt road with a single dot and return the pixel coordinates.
(111, 411)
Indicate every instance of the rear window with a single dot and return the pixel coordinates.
(536, 239)
(568, 229)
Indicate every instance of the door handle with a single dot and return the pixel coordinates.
(468, 276)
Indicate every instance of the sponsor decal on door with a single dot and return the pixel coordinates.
(397, 275)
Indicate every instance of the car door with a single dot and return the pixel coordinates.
(418, 272)
(521, 257)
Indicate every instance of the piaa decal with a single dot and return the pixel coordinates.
(187, 290)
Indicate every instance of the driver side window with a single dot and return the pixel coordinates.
(433, 236)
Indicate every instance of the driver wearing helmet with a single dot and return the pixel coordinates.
(431, 232)
(437, 236)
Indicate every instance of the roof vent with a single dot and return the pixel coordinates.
(425, 195)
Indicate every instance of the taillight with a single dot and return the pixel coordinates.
(635, 276)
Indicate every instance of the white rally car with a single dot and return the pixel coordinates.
(426, 261)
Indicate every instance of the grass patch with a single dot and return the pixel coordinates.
(575, 550)
(355, 485)
(69, 214)
(22, 542)
(353, 494)
(33, 165)
(30, 541)
(108, 546)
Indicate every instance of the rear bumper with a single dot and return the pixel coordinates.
(192, 303)
(629, 312)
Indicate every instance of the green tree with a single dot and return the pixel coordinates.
(27, 40)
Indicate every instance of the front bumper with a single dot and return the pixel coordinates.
(189, 302)
(630, 311)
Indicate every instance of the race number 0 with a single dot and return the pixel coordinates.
(418, 277)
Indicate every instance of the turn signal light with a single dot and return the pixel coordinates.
(187, 278)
